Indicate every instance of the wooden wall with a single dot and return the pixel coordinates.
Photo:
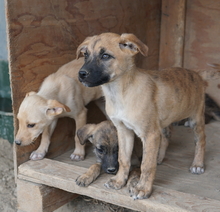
(43, 35)
(190, 37)
(202, 39)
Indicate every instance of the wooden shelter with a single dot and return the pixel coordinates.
(43, 35)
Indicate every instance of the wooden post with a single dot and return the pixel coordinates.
(40, 198)
(172, 33)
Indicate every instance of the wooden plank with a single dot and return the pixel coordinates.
(178, 159)
(62, 175)
(172, 33)
(202, 44)
(150, 27)
(40, 198)
(172, 175)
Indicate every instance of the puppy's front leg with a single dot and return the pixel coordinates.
(79, 151)
(45, 142)
(87, 178)
(151, 144)
(126, 143)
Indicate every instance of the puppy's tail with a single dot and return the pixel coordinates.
(209, 74)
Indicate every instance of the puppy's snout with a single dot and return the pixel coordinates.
(18, 142)
(111, 170)
(83, 74)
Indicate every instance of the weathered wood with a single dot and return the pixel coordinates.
(174, 184)
(178, 159)
(61, 175)
(202, 44)
(40, 198)
(172, 33)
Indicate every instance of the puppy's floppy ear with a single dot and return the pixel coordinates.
(56, 108)
(30, 93)
(83, 46)
(86, 133)
(132, 45)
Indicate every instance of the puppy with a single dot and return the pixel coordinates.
(142, 102)
(103, 136)
(60, 95)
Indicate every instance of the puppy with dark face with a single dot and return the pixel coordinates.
(143, 102)
(103, 136)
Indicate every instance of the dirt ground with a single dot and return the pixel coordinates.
(8, 189)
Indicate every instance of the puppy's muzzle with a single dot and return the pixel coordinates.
(83, 74)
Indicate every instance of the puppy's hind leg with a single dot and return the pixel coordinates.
(79, 152)
(197, 166)
(164, 144)
(45, 142)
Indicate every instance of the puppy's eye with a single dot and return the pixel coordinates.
(86, 55)
(101, 151)
(30, 125)
(105, 57)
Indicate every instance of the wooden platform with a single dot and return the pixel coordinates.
(175, 189)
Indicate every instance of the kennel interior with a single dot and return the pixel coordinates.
(43, 35)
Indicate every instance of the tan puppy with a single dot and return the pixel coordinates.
(60, 95)
(143, 102)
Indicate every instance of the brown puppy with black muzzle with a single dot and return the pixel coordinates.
(104, 138)
(143, 102)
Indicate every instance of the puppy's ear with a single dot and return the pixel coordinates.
(83, 46)
(55, 108)
(132, 45)
(86, 133)
(30, 93)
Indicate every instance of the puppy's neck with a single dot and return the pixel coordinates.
(120, 85)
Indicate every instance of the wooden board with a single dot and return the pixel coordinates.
(172, 33)
(175, 189)
(40, 198)
(202, 40)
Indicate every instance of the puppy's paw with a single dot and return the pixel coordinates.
(197, 169)
(77, 157)
(84, 180)
(139, 192)
(78, 154)
(114, 183)
(37, 155)
(133, 179)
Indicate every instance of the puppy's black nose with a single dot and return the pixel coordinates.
(111, 170)
(83, 74)
(18, 142)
